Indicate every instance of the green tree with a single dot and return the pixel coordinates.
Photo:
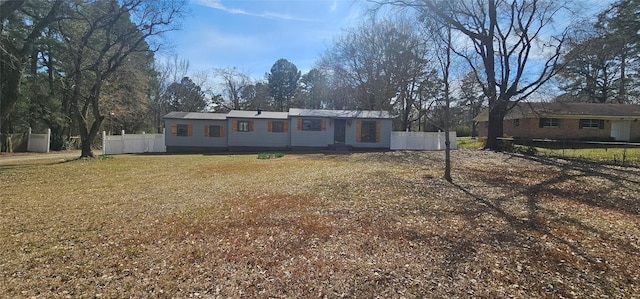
(256, 96)
(313, 90)
(472, 99)
(185, 96)
(21, 26)
(283, 82)
(99, 38)
(601, 65)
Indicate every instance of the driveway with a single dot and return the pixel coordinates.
(6, 158)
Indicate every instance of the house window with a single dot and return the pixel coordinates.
(591, 124)
(516, 122)
(276, 126)
(311, 124)
(182, 130)
(549, 122)
(243, 126)
(368, 131)
(214, 131)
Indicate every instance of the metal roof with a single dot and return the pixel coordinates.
(257, 114)
(196, 115)
(339, 113)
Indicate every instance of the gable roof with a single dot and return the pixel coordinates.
(339, 113)
(257, 114)
(196, 115)
(569, 110)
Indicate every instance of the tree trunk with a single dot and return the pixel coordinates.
(495, 130)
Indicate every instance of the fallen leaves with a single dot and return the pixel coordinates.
(313, 225)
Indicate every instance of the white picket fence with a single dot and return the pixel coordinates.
(132, 143)
(425, 141)
(39, 142)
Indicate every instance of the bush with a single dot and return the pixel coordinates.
(270, 155)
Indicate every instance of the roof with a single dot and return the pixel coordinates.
(257, 114)
(569, 110)
(339, 113)
(196, 115)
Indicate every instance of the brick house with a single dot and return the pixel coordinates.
(571, 121)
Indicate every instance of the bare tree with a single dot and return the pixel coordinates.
(233, 85)
(382, 63)
(503, 39)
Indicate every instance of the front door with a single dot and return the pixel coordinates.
(338, 130)
(621, 130)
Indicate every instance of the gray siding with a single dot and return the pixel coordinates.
(385, 134)
(260, 137)
(197, 138)
(301, 138)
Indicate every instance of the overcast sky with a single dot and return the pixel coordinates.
(252, 35)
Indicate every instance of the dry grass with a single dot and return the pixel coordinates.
(359, 225)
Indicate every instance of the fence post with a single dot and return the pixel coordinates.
(123, 147)
(144, 142)
(104, 143)
(48, 139)
(29, 139)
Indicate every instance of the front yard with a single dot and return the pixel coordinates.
(315, 225)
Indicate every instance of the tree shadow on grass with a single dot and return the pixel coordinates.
(583, 239)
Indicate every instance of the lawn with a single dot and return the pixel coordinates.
(595, 151)
(315, 225)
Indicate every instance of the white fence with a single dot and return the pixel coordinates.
(132, 143)
(38, 142)
(421, 140)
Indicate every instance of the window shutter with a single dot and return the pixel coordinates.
(221, 131)
(299, 124)
(269, 126)
(358, 131)
(285, 126)
(378, 131)
(234, 125)
(324, 124)
(541, 123)
(206, 131)
(601, 124)
(174, 129)
(250, 126)
(190, 130)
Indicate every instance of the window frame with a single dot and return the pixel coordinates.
(214, 131)
(277, 126)
(243, 126)
(591, 124)
(182, 130)
(312, 124)
(550, 123)
(368, 131)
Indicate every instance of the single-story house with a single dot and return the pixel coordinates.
(570, 121)
(297, 129)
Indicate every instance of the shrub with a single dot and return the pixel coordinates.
(270, 155)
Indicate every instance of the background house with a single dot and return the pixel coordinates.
(576, 121)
